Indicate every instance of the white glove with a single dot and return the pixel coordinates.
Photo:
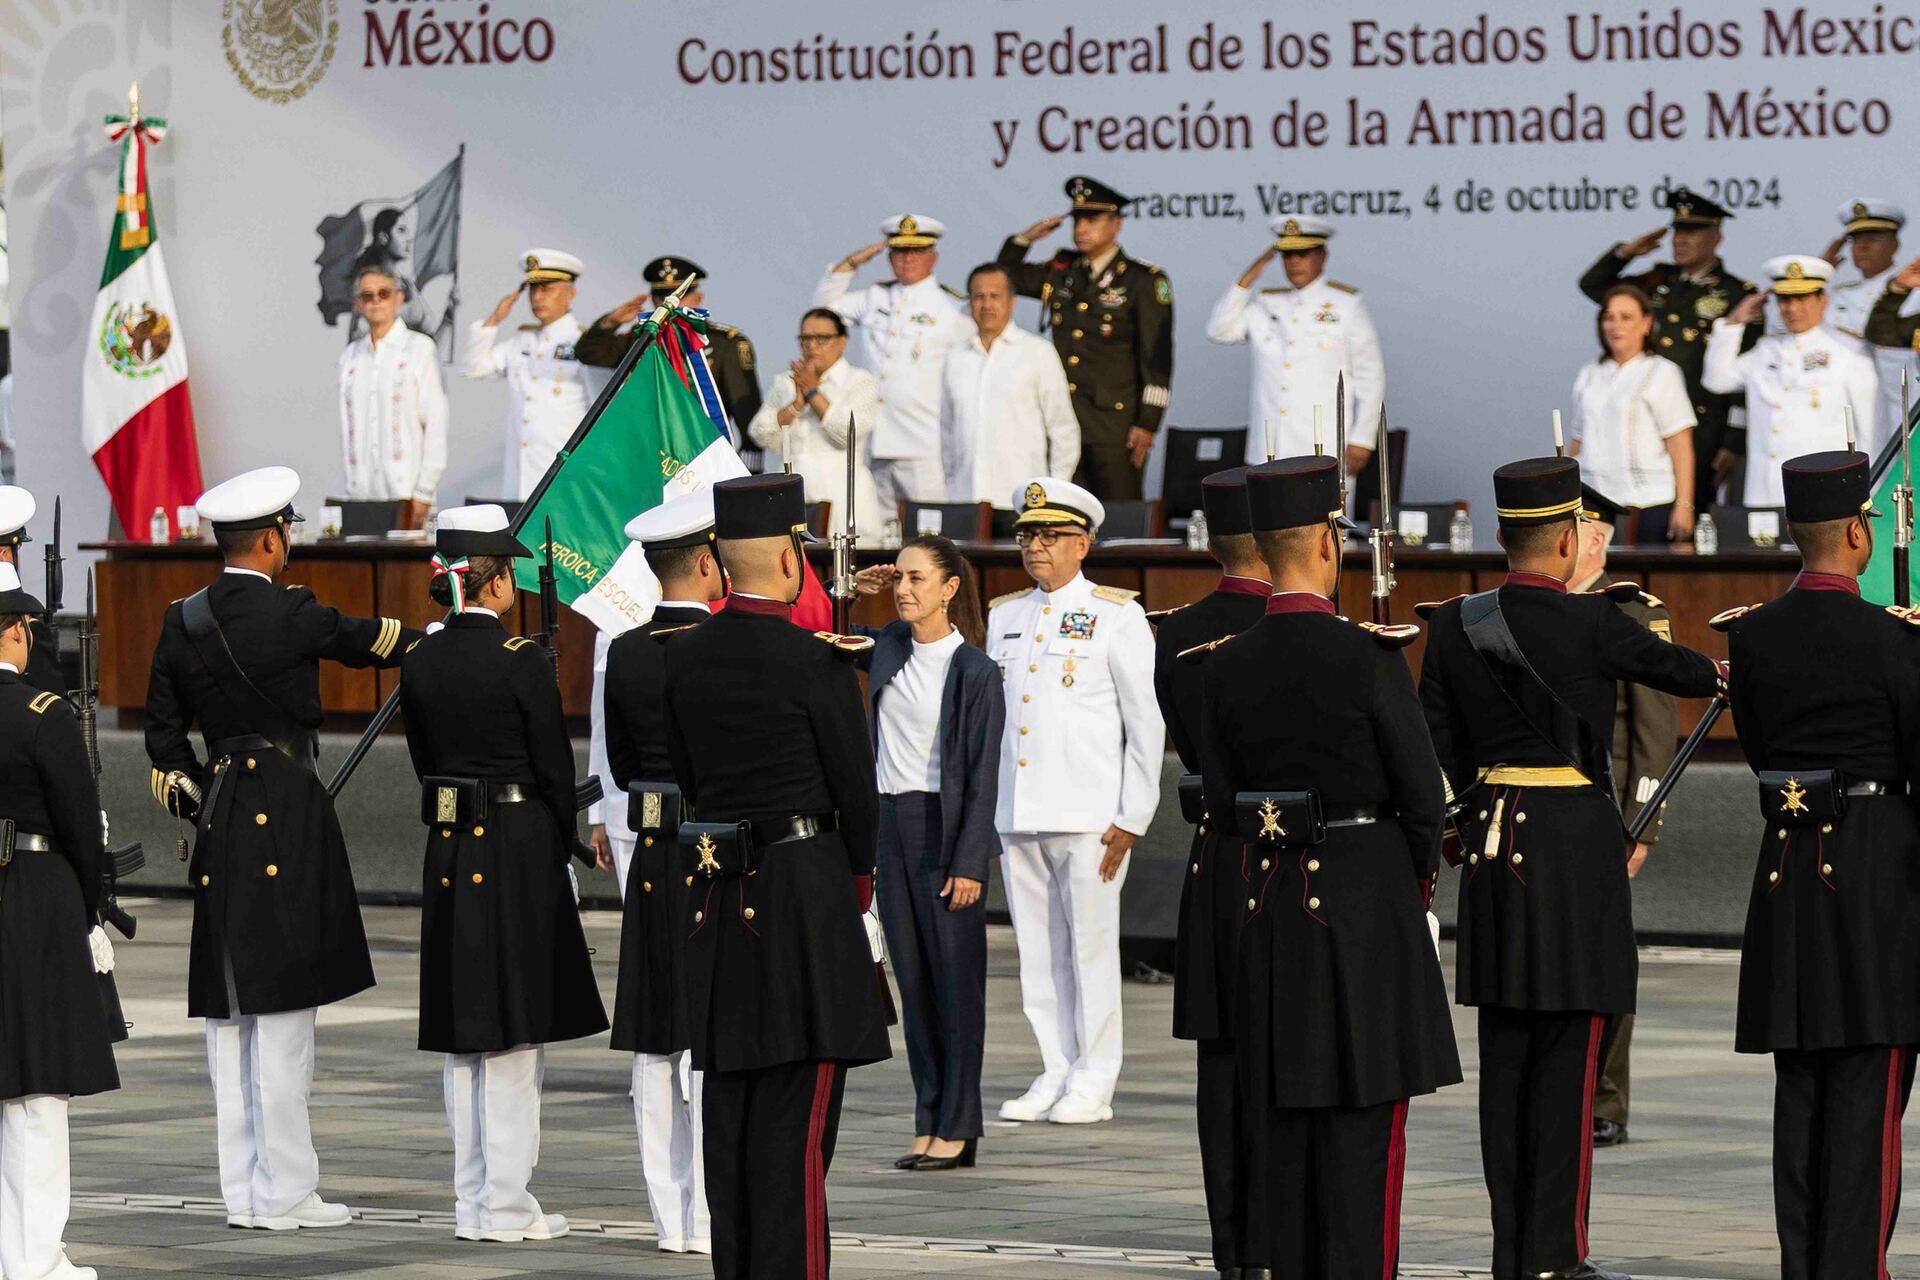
(876, 938)
(435, 626)
(1433, 927)
(573, 880)
(102, 948)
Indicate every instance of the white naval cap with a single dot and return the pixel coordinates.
(478, 530)
(686, 521)
(1794, 274)
(257, 499)
(1044, 500)
(912, 231)
(1870, 213)
(16, 508)
(13, 596)
(1300, 233)
(543, 265)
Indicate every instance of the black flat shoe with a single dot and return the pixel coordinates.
(1608, 1133)
(1585, 1271)
(910, 1161)
(962, 1159)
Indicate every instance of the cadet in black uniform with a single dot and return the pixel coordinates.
(1688, 294)
(53, 1043)
(1336, 806)
(729, 351)
(769, 746)
(1546, 949)
(503, 961)
(1826, 696)
(1213, 892)
(43, 663)
(1112, 322)
(276, 924)
(650, 1011)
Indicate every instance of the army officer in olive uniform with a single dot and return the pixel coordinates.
(729, 351)
(1689, 294)
(1112, 321)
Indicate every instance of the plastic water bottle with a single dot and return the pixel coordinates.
(1197, 531)
(1706, 535)
(1460, 531)
(158, 530)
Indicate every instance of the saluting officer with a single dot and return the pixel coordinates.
(503, 961)
(729, 351)
(43, 663)
(1689, 294)
(650, 1011)
(276, 925)
(1213, 891)
(769, 746)
(53, 1042)
(1826, 696)
(542, 369)
(1335, 809)
(1870, 233)
(1519, 685)
(1112, 321)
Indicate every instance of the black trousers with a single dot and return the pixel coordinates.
(1216, 1105)
(939, 960)
(1323, 1191)
(769, 1141)
(1537, 1073)
(1836, 1159)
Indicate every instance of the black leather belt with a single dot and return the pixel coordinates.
(301, 753)
(1357, 815)
(508, 793)
(1864, 790)
(801, 826)
(27, 840)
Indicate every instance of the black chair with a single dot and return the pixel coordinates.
(1135, 518)
(363, 519)
(509, 505)
(961, 521)
(1193, 453)
(819, 516)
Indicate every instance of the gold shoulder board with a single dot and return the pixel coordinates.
(848, 645)
(1157, 616)
(1115, 595)
(41, 701)
(1009, 598)
(1722, 621)
(1427, 608)
(515, 643)
(952, 292)
(1344, 288)
(1392, 636)
(1627, 592)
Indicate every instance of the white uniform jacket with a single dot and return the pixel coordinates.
(547, 393)
(1303, 339)
(905, 334)
(1798, 386)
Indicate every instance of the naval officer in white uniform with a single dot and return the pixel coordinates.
(1871, 235)
(547, 385)
(907, 326)
(1799, 383)
(1079, 781)
(1304, 334)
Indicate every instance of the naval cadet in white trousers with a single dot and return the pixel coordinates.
(1079, 781)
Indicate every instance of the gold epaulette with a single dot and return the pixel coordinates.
(1910, 615)
(1115, 595)
(1199, 652)
(1624, 592)
(662, 634)
(1397, 635)
(389, 636)
(1426, 608)
(847, 645)
(1008, 598)
(950, 291)
(515, 643)
(1725, 619)
(1344, 288)
(1156, 616)
(41, 701)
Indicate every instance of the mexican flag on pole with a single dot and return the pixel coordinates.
(135, 414)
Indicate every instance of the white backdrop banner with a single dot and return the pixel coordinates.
(1476, 157)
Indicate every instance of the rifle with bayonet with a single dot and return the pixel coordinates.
(844, 543)
(127, 858)
(1340, 463)
(1903, 508)
(1380, 541)
(56, 578)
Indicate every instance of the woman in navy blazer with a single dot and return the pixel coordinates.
(937, 716)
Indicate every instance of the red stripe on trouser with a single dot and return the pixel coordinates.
(1396, 1178)
(1599, 1023)
(1890, 1155)
(817, 1174)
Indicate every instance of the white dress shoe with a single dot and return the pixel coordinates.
(700, 1244)
(673, 1244)
(311, 1212)
(1078, 1108)
(469, 1233)
(1034, 1104)
(548, 1226)
(65, 1270)
(240, 1221)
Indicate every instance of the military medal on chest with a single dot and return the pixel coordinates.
(1066, 681)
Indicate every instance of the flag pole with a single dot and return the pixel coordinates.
(649, 333)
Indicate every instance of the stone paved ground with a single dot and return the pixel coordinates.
(1688, 1197)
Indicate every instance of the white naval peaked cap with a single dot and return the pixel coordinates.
(1044, 500)
(14, 598)
(1300, 233)
(1794, 274)
(542, 265)
(9, 577)
(16, 508)
(482, 517)
(1871, 213)
(478, 530)
(256, 499)
(685, 521)
(912, 231)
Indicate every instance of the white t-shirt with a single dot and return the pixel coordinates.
(1623, 415)
(908, 758)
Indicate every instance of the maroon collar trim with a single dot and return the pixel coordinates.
(1297, 602)
(1524, 578)
(1807, 581)
(756, 605)
(1236, 586)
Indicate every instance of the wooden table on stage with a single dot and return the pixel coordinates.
(389, 578)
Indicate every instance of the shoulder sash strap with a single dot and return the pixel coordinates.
(275, 723)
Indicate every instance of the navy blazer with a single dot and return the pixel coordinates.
(973, 714)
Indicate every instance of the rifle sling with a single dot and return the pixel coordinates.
(272, 721)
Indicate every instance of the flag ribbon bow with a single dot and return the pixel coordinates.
(455, 570)
(137, 133)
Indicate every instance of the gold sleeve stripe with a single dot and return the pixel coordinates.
(153, 784)
(389, 634)
(41, 702)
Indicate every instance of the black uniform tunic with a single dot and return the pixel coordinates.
(650, 1008)
(765, 721)
(1552, 931)
(503, 960)
(52, 1037)
(272, 886)
(1823, 680)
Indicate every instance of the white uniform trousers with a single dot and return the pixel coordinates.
(897, 480)
(262, 1071)
(34, 1184)
(622, 849)
(666, 1113)
(1066, 922)
(493, 1111)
